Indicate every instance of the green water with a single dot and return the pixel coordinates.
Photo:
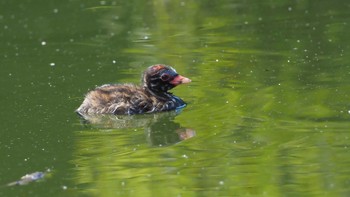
(268, 106)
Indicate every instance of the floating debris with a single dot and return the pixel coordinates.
(30, 178)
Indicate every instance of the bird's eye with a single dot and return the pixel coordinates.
(165, 77)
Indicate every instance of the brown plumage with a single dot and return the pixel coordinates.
(152, 96)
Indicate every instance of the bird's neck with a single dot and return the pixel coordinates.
(159, 94)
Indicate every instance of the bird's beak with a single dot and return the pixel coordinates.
(180, 80)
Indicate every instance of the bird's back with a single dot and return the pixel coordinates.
(113, 99)
(125, 99)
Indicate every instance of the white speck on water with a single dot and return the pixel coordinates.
(226, 102)
(122, 183)
(55, 10)
(185, 156)
(43, 43)
(64, 187)
(298, 41)
(260, 18)
(114, 61)
(217, 60)
(221, 182)
(52, 64)
(182, 3)
(145, 37)
(288, 61)
(349, 112)
(289, 8)
(246, 22)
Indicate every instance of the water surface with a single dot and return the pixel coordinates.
(267, 110)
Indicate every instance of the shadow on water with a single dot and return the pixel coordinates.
(160, 129)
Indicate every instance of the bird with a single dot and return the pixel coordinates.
(128, 99)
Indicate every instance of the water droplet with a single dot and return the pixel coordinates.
(52, 64)
(64, 187)
(43, 43)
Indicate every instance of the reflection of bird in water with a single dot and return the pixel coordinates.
(127, 99)
(166, 132)
(160, 128)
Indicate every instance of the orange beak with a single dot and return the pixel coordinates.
(180, 80)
